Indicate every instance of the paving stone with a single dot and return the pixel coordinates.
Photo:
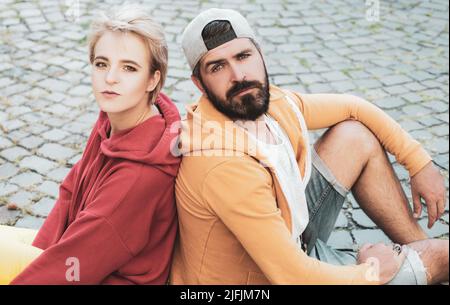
(416, 110)
(8, 217)
(394, 80)
(21, 199)
(341, 221)
(438, 106)
(43, 207)
(55, 135)
(14, 153)
(26, 179)
(410, 125)
(38, 164)
(31, 142)
(4, 143)
(13, 124)
(370, 236)
(445, 218)
(439, 145)
(362, 219)
(430, 121)
(438, 229)
(390, 102)
(7, 170)
(56, 151)
(59, 174)
(320, 88)
(7, 188)
(334, 76)
(50, 188)
(30, 222)
(340, 240)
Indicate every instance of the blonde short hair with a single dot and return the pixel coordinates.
(134, 19)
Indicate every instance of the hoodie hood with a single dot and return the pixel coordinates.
(147, 142)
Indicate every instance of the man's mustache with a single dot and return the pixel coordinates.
(238, 87)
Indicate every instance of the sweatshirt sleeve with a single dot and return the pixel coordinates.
(105, 236)
(50, 228)
(326, 110)
(251, 214)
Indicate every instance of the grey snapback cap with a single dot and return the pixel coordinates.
(194, 46)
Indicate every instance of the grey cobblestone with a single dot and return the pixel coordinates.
(56, 152)
(341, 240)
(7, 170)
(26, 179)
(14, 153)
(21, 199)
(43, 207)
(370, 236)
(38, 164)
(362, 219)
(49, 188)
(8, 217)
(30, 222)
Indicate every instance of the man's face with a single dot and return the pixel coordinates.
(235, 80)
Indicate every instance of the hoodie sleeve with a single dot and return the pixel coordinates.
(252, 215)
(106, 234)
(326, 110)
(51, 228)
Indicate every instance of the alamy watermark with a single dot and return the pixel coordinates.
(73, 10)
(373, 10)
(73, 272)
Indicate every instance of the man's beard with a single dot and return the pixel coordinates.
(250, 106)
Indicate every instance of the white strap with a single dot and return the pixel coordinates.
(305, 137)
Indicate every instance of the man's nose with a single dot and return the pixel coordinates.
(237, 73)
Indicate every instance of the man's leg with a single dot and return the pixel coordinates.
(434, 256)
(359, 162)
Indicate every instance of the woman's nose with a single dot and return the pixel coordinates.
(111, 76)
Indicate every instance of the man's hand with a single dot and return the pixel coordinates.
(388, 261)
(428, 184)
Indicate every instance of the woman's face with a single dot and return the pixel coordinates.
(121, 78)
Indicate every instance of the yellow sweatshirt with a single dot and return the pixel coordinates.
(234, 221)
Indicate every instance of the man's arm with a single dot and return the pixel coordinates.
(326, 110)
(240, 194)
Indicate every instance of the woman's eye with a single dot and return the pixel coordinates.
(130, 69)
(100, 64)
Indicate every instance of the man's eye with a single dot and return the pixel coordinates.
(130, 69)
(243, 56)
(216, 68)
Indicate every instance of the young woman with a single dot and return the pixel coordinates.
(115, 219)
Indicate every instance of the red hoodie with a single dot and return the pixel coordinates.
(116, 211)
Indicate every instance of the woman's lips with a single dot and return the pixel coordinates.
(110, 94)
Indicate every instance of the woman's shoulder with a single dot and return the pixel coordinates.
(135, 172)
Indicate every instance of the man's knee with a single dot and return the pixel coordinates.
(355, 134)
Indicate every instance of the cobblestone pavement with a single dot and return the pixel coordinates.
(47, 110)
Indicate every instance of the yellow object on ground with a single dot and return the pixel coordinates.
(16, 251)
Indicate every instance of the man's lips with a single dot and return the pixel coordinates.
(243, 91)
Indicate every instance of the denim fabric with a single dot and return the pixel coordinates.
(325, 197)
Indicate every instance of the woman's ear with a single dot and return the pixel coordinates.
(154, 81)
